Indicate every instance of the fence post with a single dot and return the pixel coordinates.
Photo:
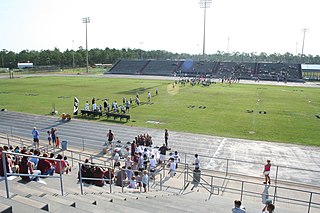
(121, 180)
(185, 160)
(82, 144)
(227, 169)
(160, 182)
(8, 142)
(310, 200)
(80, 179)
(61, 182)
(211, 185)
(5, 173)
(241, 190)
(275, 194)
(276, 180)
(72, 158)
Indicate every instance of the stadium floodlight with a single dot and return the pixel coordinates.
(304, 30)
(86, 20)
(204, 4)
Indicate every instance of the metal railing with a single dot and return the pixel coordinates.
(6, 173)
(229, 166)
(243, 188)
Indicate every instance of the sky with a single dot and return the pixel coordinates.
(273, 26)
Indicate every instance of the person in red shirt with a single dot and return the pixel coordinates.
(45, 166)
(266, 172)
(57, 165)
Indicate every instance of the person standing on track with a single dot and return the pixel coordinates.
(166, 136)
(110, 137)
(35, 134)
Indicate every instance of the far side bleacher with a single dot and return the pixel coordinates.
(216, 69)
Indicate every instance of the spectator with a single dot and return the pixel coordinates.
(120, 177)
(1, 164)
(27, 167)
(110, 136)
(98, 172)
(176, 157)
(45, 166)
(145, 180)
(57, 165)
(163, 151)
(268, 208)
(132, 184)
(266, 172)
(35, 160)
(196, 163)
(238, 208)
(35, 134)
(53, 136)
(57, 142)
(68, 166)
(129, 173)
(49, 137)
(172, 170)
(166, 136)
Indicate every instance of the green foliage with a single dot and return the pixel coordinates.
(219, 109)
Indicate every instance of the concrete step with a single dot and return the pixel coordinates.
(5, 208)
(19, 206)
(30, 202)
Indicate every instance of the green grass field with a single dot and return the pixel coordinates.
(290, 110)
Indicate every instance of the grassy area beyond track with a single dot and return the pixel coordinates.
(220, 109)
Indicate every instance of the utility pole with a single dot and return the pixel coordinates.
(73, 56)
(204, 4)
(304, 30)
(86, 20)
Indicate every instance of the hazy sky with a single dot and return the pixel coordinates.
(171, 25)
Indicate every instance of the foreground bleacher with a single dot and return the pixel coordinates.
(165, 194)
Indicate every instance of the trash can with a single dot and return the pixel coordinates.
(196, 176)
(64, 145)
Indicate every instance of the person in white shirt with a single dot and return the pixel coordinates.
(149, 96)
(176, 157)
(172, 167)
(94, 107)
(86, 107)
(196, 162)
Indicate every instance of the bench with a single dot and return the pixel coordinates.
(117, 115)
(92, 113)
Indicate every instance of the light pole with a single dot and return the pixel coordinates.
(73, 56)
(204, 4)
(141, 43)
(86, 20)
(304, 30)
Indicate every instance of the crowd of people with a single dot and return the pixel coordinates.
(113, 106)
(28, 162)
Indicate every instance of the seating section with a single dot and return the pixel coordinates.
(163, 67)
(128, 67)
(279, 71)
(242, 70)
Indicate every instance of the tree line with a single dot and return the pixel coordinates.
(69, 58)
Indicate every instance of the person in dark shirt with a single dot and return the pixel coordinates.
(163, 151)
